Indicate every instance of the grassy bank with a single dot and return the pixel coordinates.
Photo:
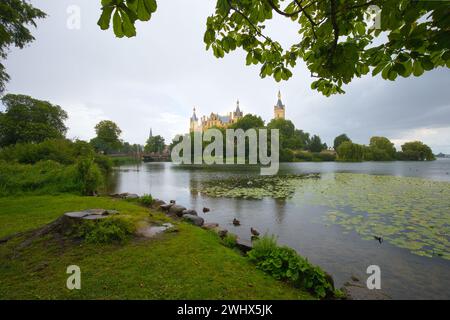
(118, 161)
(190, 263)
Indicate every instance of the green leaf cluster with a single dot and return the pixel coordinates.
(283, 263)
(124, 14)
(146, 200)
(109, 230)
(337, 41)
(28, 120)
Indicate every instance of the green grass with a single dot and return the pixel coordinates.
(187, 264)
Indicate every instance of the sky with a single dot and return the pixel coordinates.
(155, 79)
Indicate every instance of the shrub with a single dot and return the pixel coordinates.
(146, 200)
(59, 150)
(43, 177)
(229, 240)
(304, 156)
(263, 247)
(88, 176)
(286, 155)
(49, 177)
(104, 163)
(325, 156)
(108, 230)
(284, 263)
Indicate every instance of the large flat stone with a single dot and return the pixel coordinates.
(76, 214)
(96, 211)
(94, 217)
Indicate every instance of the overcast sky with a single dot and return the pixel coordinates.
(155, 79)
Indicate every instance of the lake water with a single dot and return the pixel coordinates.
(300, 225)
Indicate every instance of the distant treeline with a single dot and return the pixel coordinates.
(381, 149)
(297, 145)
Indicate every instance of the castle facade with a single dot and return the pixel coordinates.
(224, 121)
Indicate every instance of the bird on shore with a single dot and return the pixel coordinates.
(380, 239)
(236, 222)
(205, 210)
(254, 232)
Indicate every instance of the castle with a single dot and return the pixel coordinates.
(224, 121)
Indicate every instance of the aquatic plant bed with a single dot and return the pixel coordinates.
(408, 212)
(253, 187)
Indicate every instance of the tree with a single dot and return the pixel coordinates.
(416, 151)
(382, 149)
(336, 41)
(108, 137)
(339, 139)
(349, 151)
(316, 145)
(30, 120)
(249, 121)
(15, 15)
(288, 137)
(303, 138)
(155, 144)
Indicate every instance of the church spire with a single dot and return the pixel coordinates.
(279, 95)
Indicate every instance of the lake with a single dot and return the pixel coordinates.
(329, 219)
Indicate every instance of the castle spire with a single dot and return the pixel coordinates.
(194, 116)
(279, 108)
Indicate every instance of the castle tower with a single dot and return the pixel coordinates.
(279, 110)
(193, 126)
(238, 113)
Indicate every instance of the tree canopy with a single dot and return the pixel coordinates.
(382, 149)
(249, 121)
(350, 152)
(155, 144)
(315, 144)
(108, 137)
(290, 137)
(416, 150)
(337, 40)
(16, 16)
(339, 139)
(30, 120)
